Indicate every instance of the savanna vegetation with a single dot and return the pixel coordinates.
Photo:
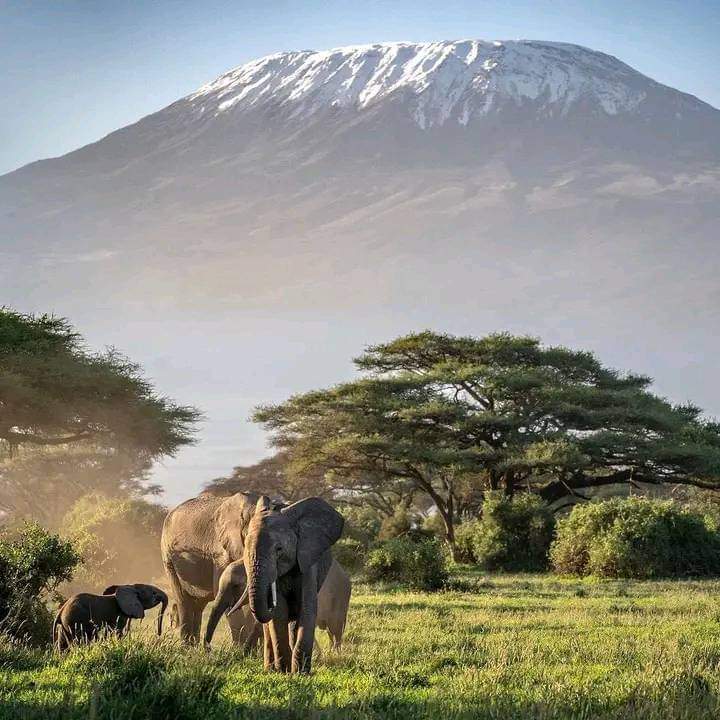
(500, 646)
(437, 421)
(453, 460)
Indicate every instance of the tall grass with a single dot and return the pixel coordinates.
(497, 647)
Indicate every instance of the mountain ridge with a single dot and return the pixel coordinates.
(454, 73)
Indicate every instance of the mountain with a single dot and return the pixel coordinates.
(247, 240)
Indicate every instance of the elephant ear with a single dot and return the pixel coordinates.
(110, 590)
(263, 504)
(318, 526)
(129, 602)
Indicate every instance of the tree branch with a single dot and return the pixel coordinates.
(15, 438)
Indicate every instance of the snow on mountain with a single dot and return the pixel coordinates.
(446, 81)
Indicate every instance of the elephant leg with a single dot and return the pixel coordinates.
(253, 633)
(245, 630)
(62, 638)
(191, 610)
(282, 655)
(335, 631)
(305, 634)
(292, 629)
(268, 656)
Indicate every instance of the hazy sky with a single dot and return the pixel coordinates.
(74, 70)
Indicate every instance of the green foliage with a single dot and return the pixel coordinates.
(54, 392)
(73, 422)
(418, 564)
(33, 562)
(433, 525)
(395, 525)
(43, 483)
(635, 538)
(362, 523)
(452, 417)
(118, 538)
(351, 554)
(512, 533)
(465, 542)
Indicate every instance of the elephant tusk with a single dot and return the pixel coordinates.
(273, 590)
(243, 599)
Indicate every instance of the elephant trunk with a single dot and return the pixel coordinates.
(219, 608)
(262, 592)
(163, 608)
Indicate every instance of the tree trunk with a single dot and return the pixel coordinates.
(450, 534)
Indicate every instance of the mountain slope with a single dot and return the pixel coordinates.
(309, 202)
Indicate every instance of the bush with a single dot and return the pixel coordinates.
(395, 525)
(351, 554)
(434, 526)
(118, 538)
(635, 538)
(512, 534)
(33, 562)
(421, 565)
(361, 523)
(464, 539)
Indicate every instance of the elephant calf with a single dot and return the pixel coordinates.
(84, 616)
(333, 603)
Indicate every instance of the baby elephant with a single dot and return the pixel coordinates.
(84, 616)
(333, 602)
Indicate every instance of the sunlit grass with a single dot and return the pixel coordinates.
(496, 647)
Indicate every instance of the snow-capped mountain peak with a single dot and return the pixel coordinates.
(455, 80)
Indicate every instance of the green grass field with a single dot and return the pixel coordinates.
(510, 646)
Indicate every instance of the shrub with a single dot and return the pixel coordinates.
(361, 523)
(33, 562)
(421, 565)
(464, 538)
(512, 534)
(118, 538)
(395, 525)
(350, 554)
(434, 526)
(635, 538)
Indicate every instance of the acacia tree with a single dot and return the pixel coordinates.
(274, 476)
(75, 418)
(270, 477)
(455, 416)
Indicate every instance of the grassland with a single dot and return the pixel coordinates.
(506, 646)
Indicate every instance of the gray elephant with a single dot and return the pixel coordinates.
(286, 550)
(333, 602)
(200, 538)
(83, 617)
(231, 586)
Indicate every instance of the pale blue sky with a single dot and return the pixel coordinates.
(74, 70)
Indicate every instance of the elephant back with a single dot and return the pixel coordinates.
(231, 519)
(190, 528)
(209, 525)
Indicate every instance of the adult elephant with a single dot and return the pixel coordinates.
(202, 536)
(287, 557)
(333, 603)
